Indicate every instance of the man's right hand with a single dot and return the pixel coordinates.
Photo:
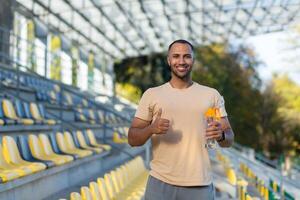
(160, 125)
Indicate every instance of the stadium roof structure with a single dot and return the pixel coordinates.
(129, 28)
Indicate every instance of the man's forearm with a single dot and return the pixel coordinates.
(229, 138)
(139, 136)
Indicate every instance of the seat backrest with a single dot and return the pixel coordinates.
(92, 114)
(19, 108)
(81, 139)
(86, 138)
(77, 144)
(109, 186)
(91, 136)
(103, 189)
(45, 143)
(34, 110)
(27, 110)
(22, 142)
(94, 189)
(42, 110)
(35, 146)
(115, 181)
(3, 162)
(101, 116)
(85, 193)
(8, 109)
(68, 98)
(69, 140)
(120, 176)
(75, 196)
(61, 142)
(54, 143)
(1, 110)
(10, 150)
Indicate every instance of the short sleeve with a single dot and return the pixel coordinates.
(145, 107)
(220, 103)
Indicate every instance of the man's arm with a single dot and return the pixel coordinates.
(229, 135)
(216, 129)
(140, 130)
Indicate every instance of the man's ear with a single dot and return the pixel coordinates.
(168, 60)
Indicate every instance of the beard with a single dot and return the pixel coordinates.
(179, 75)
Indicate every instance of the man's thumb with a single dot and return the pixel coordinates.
(159, 113)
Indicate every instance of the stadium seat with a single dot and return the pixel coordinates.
(109, 186)
(102, 189)
(38, 151)
(26, 153)
(7, 172)
(85, 193)
(83, 144)
(75, 196)
(12, 155)
(20, 170)
(37, 115)
(3, 119)
(100, 116)
(95, 192)
(93, 141)
(10, 113)
(20, 111)
(47, 148)
(66, 145)
(119, 140)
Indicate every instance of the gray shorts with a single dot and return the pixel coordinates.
(158, 190)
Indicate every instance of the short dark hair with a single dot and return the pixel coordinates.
(181, 41)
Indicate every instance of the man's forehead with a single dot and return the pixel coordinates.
(179, 47)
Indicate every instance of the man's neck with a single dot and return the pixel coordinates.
(180, 84)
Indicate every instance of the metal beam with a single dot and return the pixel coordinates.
(72, 27)
(136, 28)
(95, 27)
(114, 25)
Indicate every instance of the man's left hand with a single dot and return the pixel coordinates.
(214, 131)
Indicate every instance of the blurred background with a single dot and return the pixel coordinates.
(86, 63)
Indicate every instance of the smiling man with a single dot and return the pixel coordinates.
(172, 115)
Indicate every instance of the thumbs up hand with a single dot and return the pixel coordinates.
(160, 125)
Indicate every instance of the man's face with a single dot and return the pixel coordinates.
(180, 60)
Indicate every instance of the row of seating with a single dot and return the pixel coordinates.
(46, 91)
(96, 116)
(18, 112)
(23, 155)
(125, 182)
(268, 192)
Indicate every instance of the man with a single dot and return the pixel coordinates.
(172, 115)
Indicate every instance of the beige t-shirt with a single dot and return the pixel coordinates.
(180, 157)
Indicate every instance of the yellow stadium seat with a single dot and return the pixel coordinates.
(39, 153)
(94, 142)
(103, 189)
(37, 115)
(95, 192)
(10, 112)
(20, 170)
(1, 122)
(12, 155)
(84, 145)
(85, 193)
(109, 186)
(117, 139)
(66, 144)
(75, 196)
(7, 175)
(46, 145)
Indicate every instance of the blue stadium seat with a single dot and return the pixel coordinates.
(22, 142)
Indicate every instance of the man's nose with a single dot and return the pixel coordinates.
(181, 60)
